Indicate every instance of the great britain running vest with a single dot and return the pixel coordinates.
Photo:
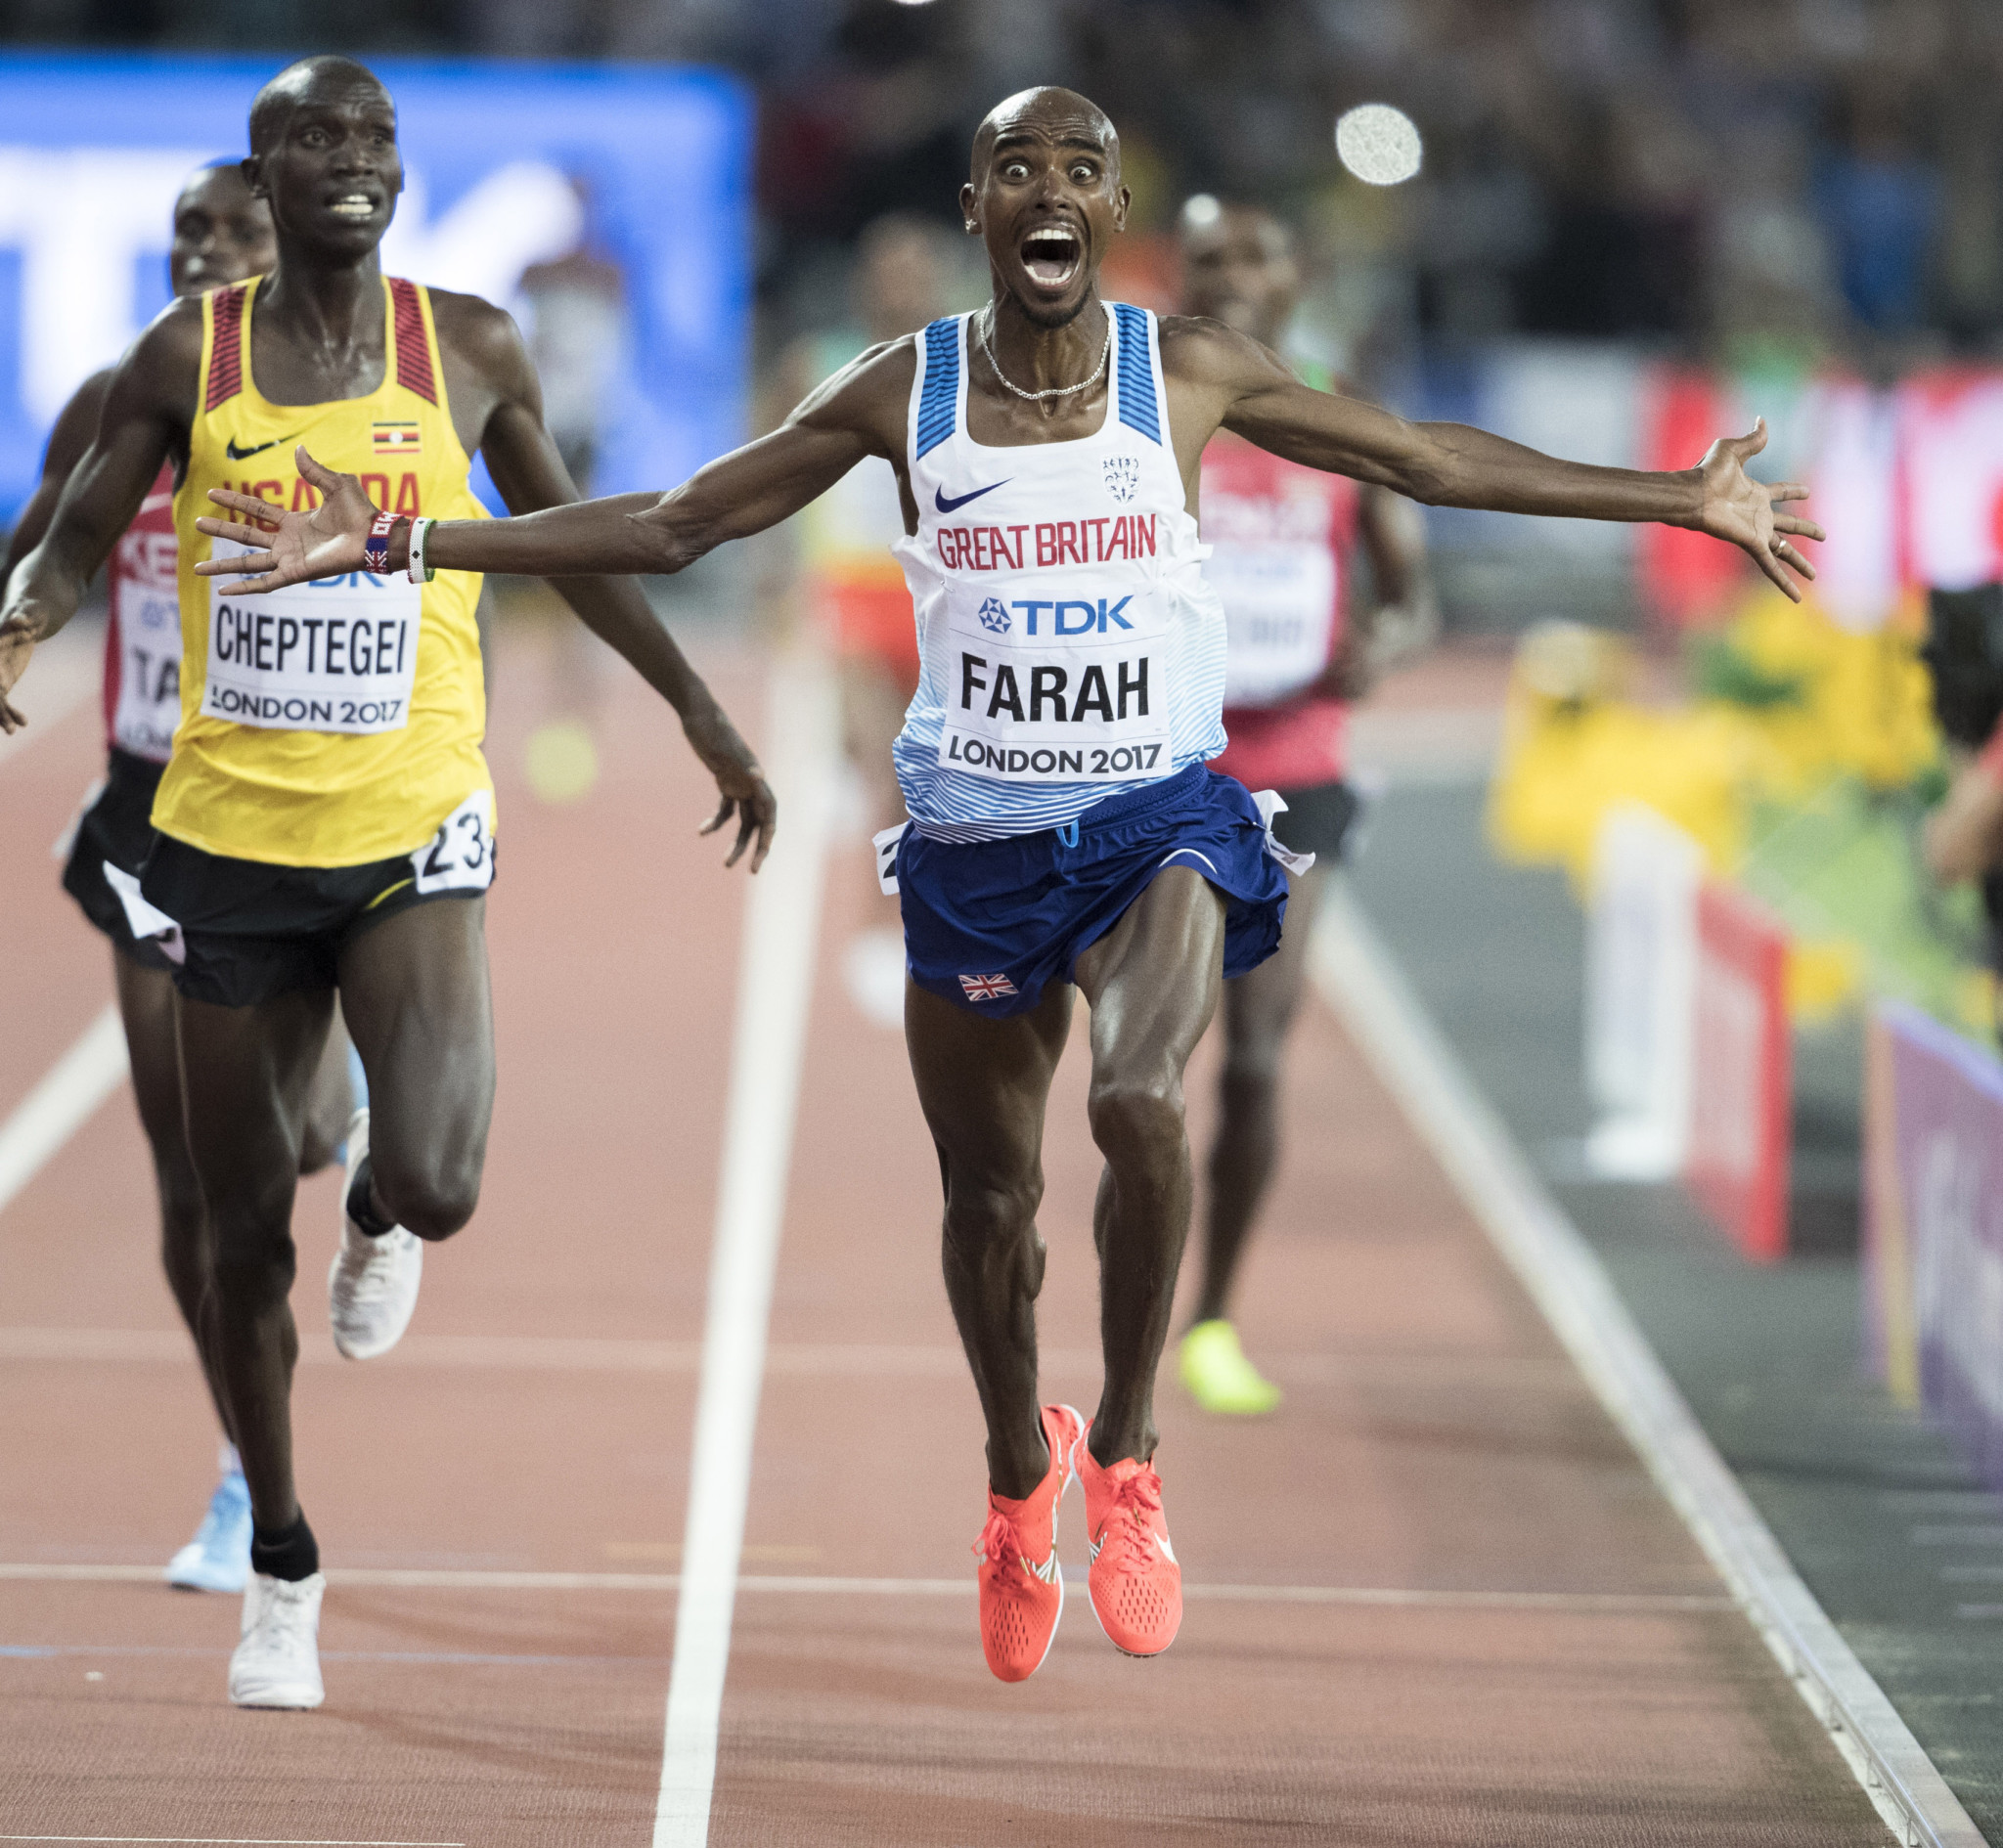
(143, 636)
(1070, 649)
(339, 722)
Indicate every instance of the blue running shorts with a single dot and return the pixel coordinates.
(990, 923)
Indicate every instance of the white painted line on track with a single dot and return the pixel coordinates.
(774, 988)
(1445, 1370)
(1361, 980)
(69, 1091)
(1396, 1596)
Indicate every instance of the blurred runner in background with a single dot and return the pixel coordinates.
(221, 234)
(1285, 542)
(853, 585)
(579, 329)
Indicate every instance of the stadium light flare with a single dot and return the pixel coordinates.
(1379, 144)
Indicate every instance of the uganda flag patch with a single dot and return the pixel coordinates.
(395, 439)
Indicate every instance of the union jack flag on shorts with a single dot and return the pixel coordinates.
(986, 988)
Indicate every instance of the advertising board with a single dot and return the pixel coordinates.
(644, 173)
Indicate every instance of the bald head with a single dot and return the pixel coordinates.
(1052, 115)
(310, 80)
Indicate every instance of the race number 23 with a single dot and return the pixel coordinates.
(460, 857)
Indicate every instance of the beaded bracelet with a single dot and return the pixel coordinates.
(419, 571)
(375, 548)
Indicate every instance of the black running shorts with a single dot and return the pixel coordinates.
(116, 826)
(250, 932)
(1317, 820)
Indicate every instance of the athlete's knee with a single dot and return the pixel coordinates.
(1136, 1114)
(986, 1217)
(1250, 1066)
(252, 1274)
(184, 1232)
(433, 1202)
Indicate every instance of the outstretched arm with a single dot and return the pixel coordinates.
(530, 474)
(69, 442)
(858, 413)
(1452, 464)
(146, 409)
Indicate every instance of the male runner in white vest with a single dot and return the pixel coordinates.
(1064, 829)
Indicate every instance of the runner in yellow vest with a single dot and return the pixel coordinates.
(326, 790)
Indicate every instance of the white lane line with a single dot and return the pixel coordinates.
(1414, 1596)
(1564, 1277)
(69, 1091)
(774, 988)
(1407, 1369)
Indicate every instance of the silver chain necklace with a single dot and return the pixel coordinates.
(1056, 391)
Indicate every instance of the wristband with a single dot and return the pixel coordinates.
(375, 548)
(419, 571)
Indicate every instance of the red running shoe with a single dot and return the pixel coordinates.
(1022, 1590)
(1136, 1585)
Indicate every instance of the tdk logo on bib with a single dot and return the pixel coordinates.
(992, 616)
(1072, 616)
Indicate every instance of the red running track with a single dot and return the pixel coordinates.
(1435, 1601)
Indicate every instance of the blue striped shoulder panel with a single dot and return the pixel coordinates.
(1138, 406)
(938, 404)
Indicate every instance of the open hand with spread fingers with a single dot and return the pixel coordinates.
(322, 542)
(739, 783)
(1744, 512)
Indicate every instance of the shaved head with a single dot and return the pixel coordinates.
(1050, 113)
(310, 79)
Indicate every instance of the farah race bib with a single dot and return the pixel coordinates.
(1279, 605)
(338, 655)
(1057, 689)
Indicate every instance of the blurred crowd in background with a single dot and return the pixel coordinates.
(1711, 176)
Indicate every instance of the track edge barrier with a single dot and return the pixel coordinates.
(1361, 980)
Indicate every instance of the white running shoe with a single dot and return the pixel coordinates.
(371, 1290)
(277, 1663)
(218, 1558)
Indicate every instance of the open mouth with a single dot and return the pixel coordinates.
(1052, 255)
(357, 205)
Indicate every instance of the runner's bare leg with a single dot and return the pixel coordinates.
(1259, 1012)
(145, 1004)
(415, 992)
(1152, 982)
(983, 1085)
(247, 1072)
(416, 995)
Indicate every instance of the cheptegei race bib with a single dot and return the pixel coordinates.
(1062, 689)
(1279, 601)
(338, 655)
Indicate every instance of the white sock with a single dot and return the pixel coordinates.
(227, 1460)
